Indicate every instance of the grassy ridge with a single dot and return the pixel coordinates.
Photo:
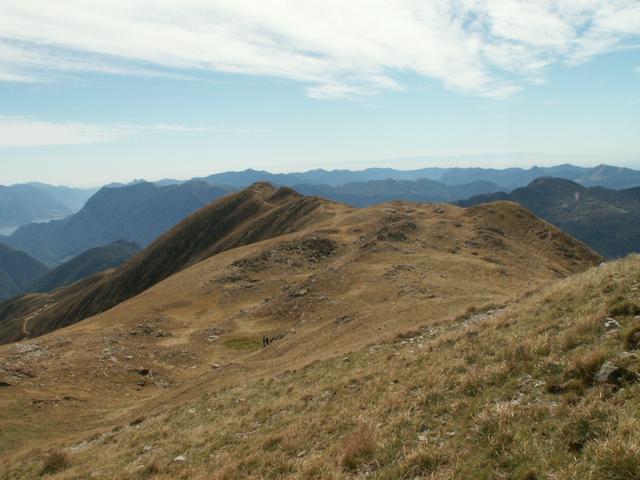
(503, 394)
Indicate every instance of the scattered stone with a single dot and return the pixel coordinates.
(180, 459)
(611, 323)
(143, 371)
(613, 374)
(147, 448)
(215, 366)
(300, 293)
(21, 348)
(346, 359)
(343, 319)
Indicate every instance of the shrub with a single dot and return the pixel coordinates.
(622, 307)
(55, 461)
(358, 448)
(422, 463)
(617, 459)
(579, 431)
(632, 338)
(584, 367)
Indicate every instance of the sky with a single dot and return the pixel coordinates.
(102, 91)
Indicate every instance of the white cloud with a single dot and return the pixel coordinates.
(335, 48)
(28, 132)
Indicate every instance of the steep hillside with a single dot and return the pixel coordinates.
(606, 220)
(17, 271)
(237, 219)
(85, 265)
(544, 387)
(319, 279)
(22, 204)
(363, 194)
(137, 213)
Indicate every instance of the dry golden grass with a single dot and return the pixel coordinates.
(404, 409)
(54, 461)
(394, 363)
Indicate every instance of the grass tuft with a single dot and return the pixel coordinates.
(55, 461)
(632, 338)
(359, 448)
(585, 366)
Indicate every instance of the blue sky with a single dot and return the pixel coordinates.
(94, 92)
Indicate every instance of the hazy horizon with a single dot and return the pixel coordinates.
(396, 164)
(112, 91)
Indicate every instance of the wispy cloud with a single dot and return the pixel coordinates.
(28, 132)
(336, 48)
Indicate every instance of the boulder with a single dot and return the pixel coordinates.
(616, 371)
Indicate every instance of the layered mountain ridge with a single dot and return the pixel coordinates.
(138, 213)
(607, 220)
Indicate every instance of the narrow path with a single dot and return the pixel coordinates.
(25, 322)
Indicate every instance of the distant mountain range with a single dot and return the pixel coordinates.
(141, 211)
(363, 194)
(72, 198)
(88, 263)
(507, 178)
(606, 220)
(17, 271)
(20, 204)
(137, 213)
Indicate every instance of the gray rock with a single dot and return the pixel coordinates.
(612, 373)
(611, 323)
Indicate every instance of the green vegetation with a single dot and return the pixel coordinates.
(242, 344)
